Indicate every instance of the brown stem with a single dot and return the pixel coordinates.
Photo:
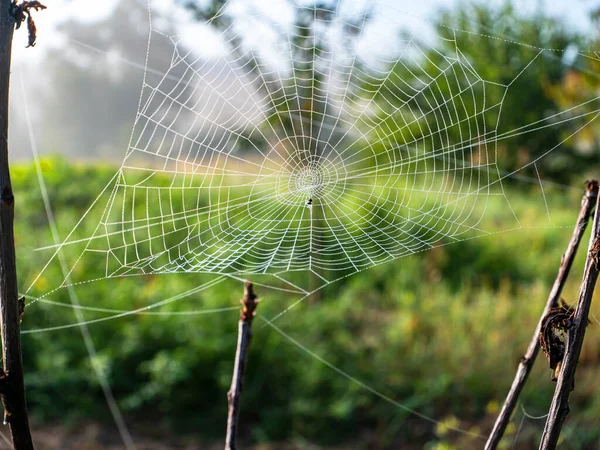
(587, 205)
(566, 377)
(249, 302)
(13, 396)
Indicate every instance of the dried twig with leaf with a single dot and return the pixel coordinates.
(526, 364)
(12, 386)
(559, 409)
(553, 336)
(22, 12)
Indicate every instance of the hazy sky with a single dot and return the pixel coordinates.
(108, 111)
(574, 12)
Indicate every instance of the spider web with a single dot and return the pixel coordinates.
(306, 159)
(303, 150)
(310, 158)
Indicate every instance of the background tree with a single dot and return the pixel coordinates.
(458, 60)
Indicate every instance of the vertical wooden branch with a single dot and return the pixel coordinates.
(13, 389)
(559, 409)
(587, 205)
(249, 302)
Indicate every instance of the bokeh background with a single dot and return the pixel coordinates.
(440, 332)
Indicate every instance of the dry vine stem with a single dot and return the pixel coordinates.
(12, 387)
(587, 205)
(576, 332)
(249, 302)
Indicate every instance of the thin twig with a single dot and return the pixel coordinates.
(576, 332)
(13, 387)
(587, 205)
(249, 302)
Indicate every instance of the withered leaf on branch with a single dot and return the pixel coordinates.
(22, 12)
(553, 335)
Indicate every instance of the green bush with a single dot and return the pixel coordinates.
(440, 332)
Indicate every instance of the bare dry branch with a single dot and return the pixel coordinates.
(587, 205)
(559, 409)
(13, 388)
(249, 303)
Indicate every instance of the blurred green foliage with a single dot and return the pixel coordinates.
(440, 331)
(493, 86)
(499, 78)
